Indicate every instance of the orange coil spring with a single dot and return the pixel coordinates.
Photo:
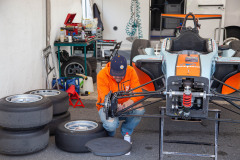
(187, 100)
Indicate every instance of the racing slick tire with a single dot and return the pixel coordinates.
(23, 142)
(71, 136)
(25, 111)
(57, 120)
(59, 99)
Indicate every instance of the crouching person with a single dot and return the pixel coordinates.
(117, 76)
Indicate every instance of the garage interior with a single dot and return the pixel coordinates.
(33, 58)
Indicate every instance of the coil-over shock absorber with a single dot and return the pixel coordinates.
(187, 100)
(187, 97)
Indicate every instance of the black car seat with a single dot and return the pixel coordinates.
(189, 38)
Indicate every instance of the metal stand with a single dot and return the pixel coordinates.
(161, 129)
(46, 53)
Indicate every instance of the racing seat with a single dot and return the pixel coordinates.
(189, 39)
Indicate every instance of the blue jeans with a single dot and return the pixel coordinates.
(127, 126)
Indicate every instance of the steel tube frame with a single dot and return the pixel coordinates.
(161, 128)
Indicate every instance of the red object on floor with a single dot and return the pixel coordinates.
(74, 95)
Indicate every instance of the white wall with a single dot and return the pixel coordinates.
(23, 37)
(22, 40)
(232, 13)
(117, 13)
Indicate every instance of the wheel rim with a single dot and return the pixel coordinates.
(81, 125)
(24, 98)
(46, 93)
(73, 68)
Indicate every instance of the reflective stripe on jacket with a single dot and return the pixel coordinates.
(106, 83)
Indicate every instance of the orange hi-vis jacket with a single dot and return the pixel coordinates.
(106, 83)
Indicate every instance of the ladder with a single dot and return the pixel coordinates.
(49, 67)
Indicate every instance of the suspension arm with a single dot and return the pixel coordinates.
(224, 107)
(145, 83)
(120, 113)
(146, 92)
(134, 104)
(232, 103)
(227, 97)
(215, 94)
(139, 95)
(159, 92)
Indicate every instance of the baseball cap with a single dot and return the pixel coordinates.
(118, 66)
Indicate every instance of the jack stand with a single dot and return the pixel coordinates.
(74, 95)
(161, 130)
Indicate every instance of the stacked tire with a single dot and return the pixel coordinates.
(23, 120)
(60, 102)
(70, 136)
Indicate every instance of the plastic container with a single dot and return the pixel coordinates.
(87, 85)
(62, 35)
(88, 23)
(172, 9)
(83, 35)
(70, 39)
(128, 139)
(94, 23)
(75, 82)
(61, 83)
(94, 31)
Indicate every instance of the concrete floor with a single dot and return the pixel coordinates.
(145, 138)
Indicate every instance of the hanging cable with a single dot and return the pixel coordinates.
(134, 24)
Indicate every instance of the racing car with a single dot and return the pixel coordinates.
(189, 72)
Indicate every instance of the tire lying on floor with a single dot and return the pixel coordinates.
(59, 99)
(57, 120)
(71, 136)
(25, 111)
(23, 142)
